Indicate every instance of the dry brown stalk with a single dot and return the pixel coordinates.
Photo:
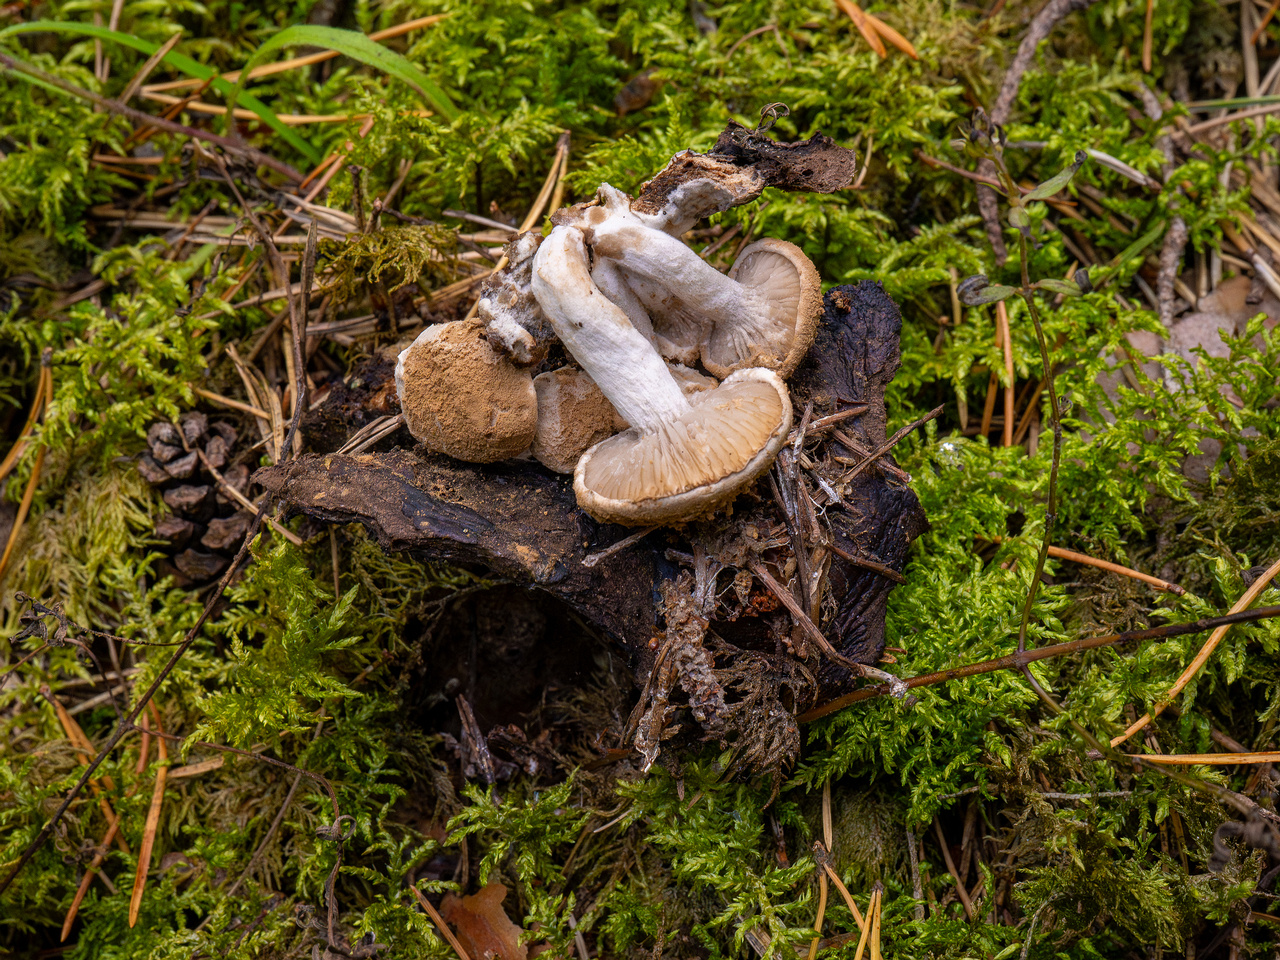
(153, 819)
(1246, 600)
(1005, 342)
(951, 869)
(440, 924)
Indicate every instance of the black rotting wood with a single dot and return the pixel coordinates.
(853, 359)
(521, 522)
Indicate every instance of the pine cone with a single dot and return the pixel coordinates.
(206, 525)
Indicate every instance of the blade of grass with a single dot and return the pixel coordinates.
(284, 65)
(179, 62)
(358, 47)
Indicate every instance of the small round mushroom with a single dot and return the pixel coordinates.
(574, 415)
(764, 314)
(461, 397)
(680, 458)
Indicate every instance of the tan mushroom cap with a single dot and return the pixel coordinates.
(574, 415)
(692, 464)
(777, 272)
(462, 398)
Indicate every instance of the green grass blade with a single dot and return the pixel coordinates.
(178, 61)
(358, 47)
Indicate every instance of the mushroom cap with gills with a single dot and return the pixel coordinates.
(691, 465)
(779, 337)
(463, 398)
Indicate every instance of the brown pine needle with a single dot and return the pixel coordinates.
(892, 35)
(1210, 759)
(44, 389)
(1146, 38)
(869, 34)
(1061, 553)
(822, 912)
(866, 931)
(846, 896)
(1262, 24)
(87, 879)
(289, 119)
(1005, 342)
(440, 924)
(1075, 557)
(878, 896)
(1201, 658)
(233, 404)
(23, 509)
(153, 822)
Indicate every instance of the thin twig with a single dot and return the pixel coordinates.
(591, 559)
(1017, 660)
(891, 443)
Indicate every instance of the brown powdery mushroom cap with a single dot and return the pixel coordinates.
(573, 415)
(461, 397)
(779, 338)
(690, 466)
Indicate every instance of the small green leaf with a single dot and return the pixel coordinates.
(1067, 288)
(1019, 217)
(358, 47)
(975, 291)
(1054, 184)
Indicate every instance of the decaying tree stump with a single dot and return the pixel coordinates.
(520, 521)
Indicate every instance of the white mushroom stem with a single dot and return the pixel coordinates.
(613, 285)
(625, 365)
(666, 261)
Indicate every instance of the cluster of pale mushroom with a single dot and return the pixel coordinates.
(648, 438)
